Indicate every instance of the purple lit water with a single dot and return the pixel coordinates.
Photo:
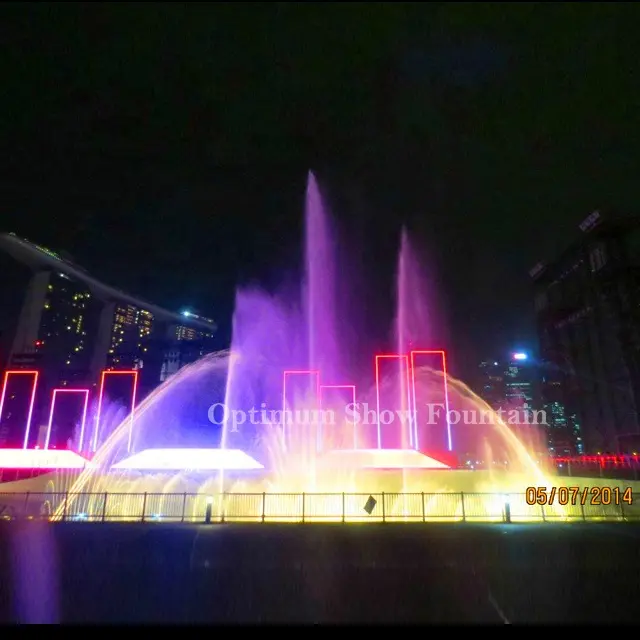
(320, 304)
(413, 325)
(301, 331)
(415, 329)
(295, 331)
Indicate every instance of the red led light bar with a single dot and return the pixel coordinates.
(107, 372)
(298, 372)
(353, 391)
(31, 401)
(599, 459)
(446, 390)
(84, 413)
(405, 359)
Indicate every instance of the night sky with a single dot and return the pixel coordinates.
(166, 147)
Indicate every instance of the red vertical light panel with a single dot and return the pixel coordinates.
(85, 406)
(325, 387)
(106, 372)
(405, 362)
(301, 372)
(425, 352)
(31, 401)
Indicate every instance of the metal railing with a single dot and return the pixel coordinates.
(304, 507)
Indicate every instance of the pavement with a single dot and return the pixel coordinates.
(307, 573)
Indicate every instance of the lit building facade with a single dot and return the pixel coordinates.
(508, 384)
(69, 327)
(588, 317)
(491, 383)
(185, 344)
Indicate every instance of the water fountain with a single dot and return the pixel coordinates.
(286, 364)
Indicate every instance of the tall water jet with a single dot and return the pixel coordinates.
(320, 286)
(286, 357)
(410, 328)
(413, 323)
(415, 330)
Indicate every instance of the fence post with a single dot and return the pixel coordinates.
(104, 506)
(303, 505)
(464, 513)
(507, 512)
(144, 506)
(384, 512)
(184, 506)
(222, 507)
(424, 514)
(544, 517)
(343, 509)
(26, 502)
(584, 517)
(622, 510)
(66, 502)
(264, 504)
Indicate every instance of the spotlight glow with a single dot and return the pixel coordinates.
(41, 459)
(84, 413)
(31, 401)
(189, 459)
(384, 459)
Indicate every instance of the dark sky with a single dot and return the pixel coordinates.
(165, 147)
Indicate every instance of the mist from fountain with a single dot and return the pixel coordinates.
(274, 333)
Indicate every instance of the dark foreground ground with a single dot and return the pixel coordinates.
(504, 574)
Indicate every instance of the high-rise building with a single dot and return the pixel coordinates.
(588, 316)
(491, 383)
(62, 322)
(185, 344)
(564, 435)
(508, 383)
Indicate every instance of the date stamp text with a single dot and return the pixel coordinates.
(585, 496)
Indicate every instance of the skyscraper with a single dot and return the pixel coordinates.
(588, 315)
(62, 322)
(507, 383)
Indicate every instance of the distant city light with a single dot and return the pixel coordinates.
(519, 356)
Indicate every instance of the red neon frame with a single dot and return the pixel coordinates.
(84, 413)
(426, 352)
(31, 402)
(298, 372)
(353, 390)
(394, 356)
(106, 372)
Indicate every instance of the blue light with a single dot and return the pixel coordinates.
(519, 356)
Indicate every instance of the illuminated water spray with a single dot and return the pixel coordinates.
(286, 356)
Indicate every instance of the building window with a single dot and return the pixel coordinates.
(597, 257)
(541, 301)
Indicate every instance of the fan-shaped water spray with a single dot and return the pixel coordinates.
(283, 396)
